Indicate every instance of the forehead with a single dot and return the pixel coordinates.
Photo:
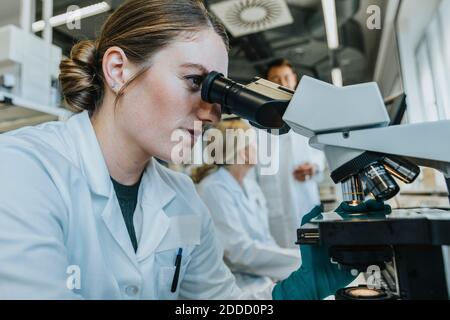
(280, 70)
(205, 48)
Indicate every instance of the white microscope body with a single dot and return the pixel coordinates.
(350, 121)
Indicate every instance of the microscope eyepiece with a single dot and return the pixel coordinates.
(215, 88)
(261, 102)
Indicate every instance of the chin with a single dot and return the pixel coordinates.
(180, 153)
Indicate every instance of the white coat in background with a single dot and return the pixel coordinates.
(288, 199)
(63, 236)
(240, 216)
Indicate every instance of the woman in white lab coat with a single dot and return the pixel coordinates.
(238, 208)
(63, 228)
(86, 211)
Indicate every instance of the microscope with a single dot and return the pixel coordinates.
(404, 253)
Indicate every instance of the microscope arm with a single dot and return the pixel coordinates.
(422, 143)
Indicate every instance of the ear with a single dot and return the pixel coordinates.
(116, 68)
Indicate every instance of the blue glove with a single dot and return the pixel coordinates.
(317, 278)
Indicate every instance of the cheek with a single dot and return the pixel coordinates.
(154, 109)
(159, 104)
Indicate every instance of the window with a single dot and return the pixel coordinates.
(426, 83)
(433, 60)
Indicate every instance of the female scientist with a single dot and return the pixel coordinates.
(86, 211)
(239, 212)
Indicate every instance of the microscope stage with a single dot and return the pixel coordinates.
(419, 226)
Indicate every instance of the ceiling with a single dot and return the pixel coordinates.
(303, 42)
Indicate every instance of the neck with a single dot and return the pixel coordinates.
(239, 172)
(124, 159)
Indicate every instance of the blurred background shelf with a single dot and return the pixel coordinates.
(12, 118)
(16, 113)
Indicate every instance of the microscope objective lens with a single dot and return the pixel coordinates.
(379, 182)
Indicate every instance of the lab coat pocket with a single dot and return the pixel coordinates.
(184, 232)
(165, 278)
(166, 275)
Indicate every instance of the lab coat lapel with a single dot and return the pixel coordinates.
(155, 226)
(247, 201)
(112, 217)
(93, 166)
(156, 195)
(252, 198)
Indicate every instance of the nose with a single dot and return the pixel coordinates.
(285, 83)
(209, 112)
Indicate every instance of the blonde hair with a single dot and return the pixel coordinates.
(140, 28)
(200, 173)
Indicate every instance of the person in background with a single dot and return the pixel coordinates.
(238, 209)
(293, 190)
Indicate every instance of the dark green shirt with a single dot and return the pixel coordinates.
(127, 196)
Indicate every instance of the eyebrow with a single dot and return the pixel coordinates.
(196, 66)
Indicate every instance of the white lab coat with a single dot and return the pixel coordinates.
(62, 234)
(240, 217)
(289, 199)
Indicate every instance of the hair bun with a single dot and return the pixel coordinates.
(79, 80)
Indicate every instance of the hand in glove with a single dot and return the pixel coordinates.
(317, 278)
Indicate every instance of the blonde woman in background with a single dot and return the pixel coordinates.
(239, 213)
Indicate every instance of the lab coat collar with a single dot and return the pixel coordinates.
(244, 191)
(233, 184)
(93, 165)
(229, 180)
(155, 193)
(90, 156)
